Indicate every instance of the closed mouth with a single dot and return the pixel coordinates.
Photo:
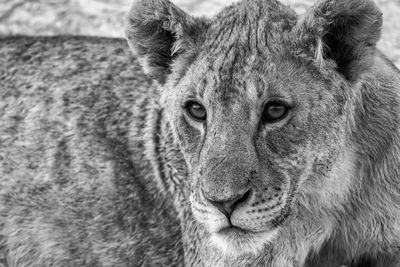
(233, 230)
(278, 221)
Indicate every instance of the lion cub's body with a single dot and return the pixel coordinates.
(99, 166)
(76, 187)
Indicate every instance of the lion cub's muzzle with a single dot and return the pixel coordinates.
(239, 216)
(234, 196)
(237, 204)
(248, 211)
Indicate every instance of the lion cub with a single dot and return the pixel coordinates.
(256, 138)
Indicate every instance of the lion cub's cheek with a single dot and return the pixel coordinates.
(332, 178)
(189, 139)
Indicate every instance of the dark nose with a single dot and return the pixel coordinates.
(228, 206)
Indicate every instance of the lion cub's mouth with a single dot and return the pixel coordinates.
(244, 232)
(245, 226)
(231, 232)
(234, 230)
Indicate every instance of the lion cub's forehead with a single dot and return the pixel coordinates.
(231, 76)
(241, 76)
(240, 48)
(256, 24)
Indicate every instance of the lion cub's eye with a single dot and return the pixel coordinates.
(274, 111)
(196, 111)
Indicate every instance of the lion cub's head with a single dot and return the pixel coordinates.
(261, 103)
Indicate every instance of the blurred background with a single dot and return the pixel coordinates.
(106, 18)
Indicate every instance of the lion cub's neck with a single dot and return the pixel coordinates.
(370, 218)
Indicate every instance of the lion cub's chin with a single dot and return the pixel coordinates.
(233, 242)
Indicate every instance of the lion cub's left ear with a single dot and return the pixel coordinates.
(345, 31)
(158, 31)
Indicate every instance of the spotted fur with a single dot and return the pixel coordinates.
(101, 166)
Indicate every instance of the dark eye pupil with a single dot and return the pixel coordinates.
(274, 112)
(196, 111)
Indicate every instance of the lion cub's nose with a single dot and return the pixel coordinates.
(228, 206)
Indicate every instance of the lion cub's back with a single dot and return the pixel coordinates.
(62, 92)
(75, 188)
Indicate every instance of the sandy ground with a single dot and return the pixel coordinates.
(105, 18)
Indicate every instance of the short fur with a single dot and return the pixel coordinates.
(101, 166)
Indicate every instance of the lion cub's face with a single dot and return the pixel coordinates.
(261, 111)
(254, 134)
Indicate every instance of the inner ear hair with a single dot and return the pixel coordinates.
(157, 32)
(350, 40)
(345, 31)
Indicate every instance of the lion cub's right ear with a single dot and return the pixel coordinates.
(158, 31)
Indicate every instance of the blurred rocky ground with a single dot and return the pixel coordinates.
(105, 18)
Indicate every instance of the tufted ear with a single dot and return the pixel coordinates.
(345, 31)
(158, 31)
